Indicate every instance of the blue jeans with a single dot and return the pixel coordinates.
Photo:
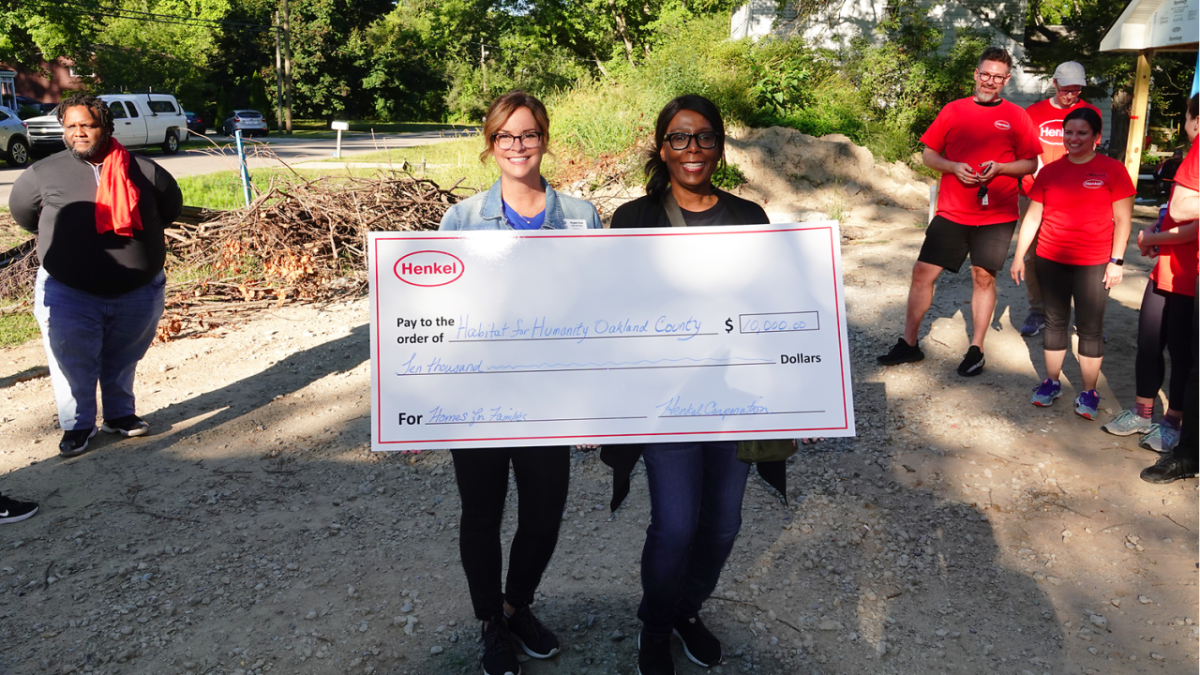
(92, 339)
(695, 514)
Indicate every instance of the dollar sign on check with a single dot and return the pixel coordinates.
(728, 325)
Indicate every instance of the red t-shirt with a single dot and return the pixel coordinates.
(966, 131)
(1077, 215)
(1173, 271)
(1189, 177)
(1047, 121)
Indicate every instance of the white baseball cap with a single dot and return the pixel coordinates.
(1070, 74)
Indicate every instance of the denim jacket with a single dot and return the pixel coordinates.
(485, 211)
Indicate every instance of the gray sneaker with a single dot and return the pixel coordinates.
(1046, 392)
(1161, 439)
(1127, 423)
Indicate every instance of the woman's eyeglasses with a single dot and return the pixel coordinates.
(705, 140)
(529, 139)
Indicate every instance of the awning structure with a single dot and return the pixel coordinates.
(1146, 27)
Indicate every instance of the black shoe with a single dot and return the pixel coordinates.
(699, 645)
(654, 655)
(75, 442)
(1169, 468)
(13, 511)
(499, 651)
(902, 352)
(129, 425)
(972, 363)
(531, 635)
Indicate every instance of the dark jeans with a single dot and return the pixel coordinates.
(543, 475)
(695, 513)
(1163, 323)
(1188, 446)
(1085, 285)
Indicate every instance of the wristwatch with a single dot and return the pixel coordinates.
(1116, 261)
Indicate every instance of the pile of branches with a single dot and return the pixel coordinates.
(301, 240)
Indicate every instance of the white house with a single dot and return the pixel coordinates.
(839, 21)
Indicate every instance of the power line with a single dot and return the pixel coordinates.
(146, 17)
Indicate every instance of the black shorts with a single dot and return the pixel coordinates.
(947, 244)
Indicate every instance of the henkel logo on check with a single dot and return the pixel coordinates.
(1093, 183)
(1003, 125)
(1051, 132)
(429, 268)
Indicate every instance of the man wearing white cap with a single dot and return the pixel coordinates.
(1069, 80)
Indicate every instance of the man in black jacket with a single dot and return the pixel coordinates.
(99, 214)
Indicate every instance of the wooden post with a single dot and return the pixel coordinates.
(287, 65)
(1137, 116)
(278, 80)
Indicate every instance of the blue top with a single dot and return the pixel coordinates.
(485, 211)
(519, 222)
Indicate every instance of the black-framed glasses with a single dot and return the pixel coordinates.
(529, 139)
(705, 140)
(992, 77)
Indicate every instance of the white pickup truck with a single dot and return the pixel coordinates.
(139, 121)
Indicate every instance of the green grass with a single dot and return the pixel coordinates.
(17, 329)
(445, 162)
(320, 129)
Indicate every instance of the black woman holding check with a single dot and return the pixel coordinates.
(696, 488)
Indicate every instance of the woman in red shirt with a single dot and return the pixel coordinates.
(1081, 209)
(1164, 322)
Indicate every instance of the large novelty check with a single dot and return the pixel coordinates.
(486, 339)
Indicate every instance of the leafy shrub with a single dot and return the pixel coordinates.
(728, 176)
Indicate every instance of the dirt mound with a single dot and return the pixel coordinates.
(801, 177)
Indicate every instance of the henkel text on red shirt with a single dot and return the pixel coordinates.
(1077, 213)
(966, 131)
(1048, 121)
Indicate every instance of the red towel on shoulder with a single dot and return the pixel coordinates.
(116, 195)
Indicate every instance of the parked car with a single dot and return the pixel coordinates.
(14, 138)
(139, 121)
(195, 123)
(250, 122)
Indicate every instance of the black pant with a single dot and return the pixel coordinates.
(543, 475)
(1163, 323)
(1188, 446)
(1083, 283)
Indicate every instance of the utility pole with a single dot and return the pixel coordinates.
(482, 68)
(278, 80)
(287, 64)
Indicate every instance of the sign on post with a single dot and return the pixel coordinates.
(339, 127)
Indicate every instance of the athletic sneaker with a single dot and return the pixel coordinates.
(1170, 468)
(972, 363)
(499, 652)
(654, 655)
(699, 645)
(1045, 393)
(129, 425)
(901, 352)
(1034, 323)
(75, 441)
(531, 635)
(1127, 423)
(1086, 404)
(13, 511)
(1161, 438)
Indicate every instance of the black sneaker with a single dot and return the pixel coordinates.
(499, 652)
(699, 645)
(75, 441)
(129, 425)
(531, 635)
(902, 352)
(1169, 468)
(972, 363)
(13, 511)
(654, 655)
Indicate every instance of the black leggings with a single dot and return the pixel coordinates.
(1165, 321)
(543, 475)
(1085, 283)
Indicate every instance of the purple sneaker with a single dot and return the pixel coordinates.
(1046, 392)
(1086, 404)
